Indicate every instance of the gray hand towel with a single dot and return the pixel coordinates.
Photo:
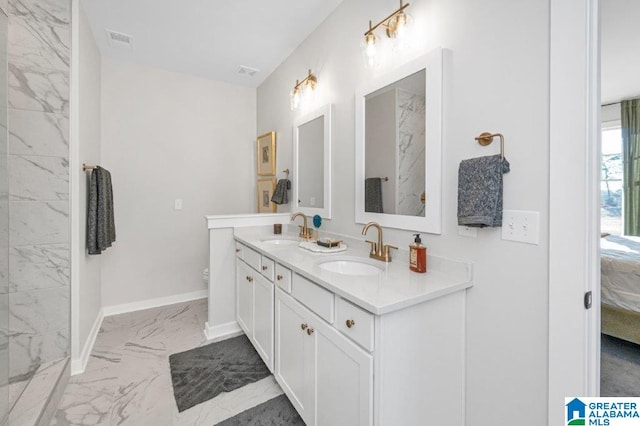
(373, 195)
(280, 195)
(101, 228)
(480, 191)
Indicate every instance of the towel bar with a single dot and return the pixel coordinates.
(486, 138)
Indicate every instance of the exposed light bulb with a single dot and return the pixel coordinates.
(295, 98)
(401, 25)
(370, 50)
(401, 31)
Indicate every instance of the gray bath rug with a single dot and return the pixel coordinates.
(202, 373)
(275, 412)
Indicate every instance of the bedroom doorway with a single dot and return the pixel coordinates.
(619, 253)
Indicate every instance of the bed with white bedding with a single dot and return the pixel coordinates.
(620, 286)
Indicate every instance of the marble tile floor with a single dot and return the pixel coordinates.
(34, 402)
(128, 381)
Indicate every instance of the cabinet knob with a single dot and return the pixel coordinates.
(265, 267)
(250, 279)
(350, 323)
(303, 326)
(279, 277)
(310, 331)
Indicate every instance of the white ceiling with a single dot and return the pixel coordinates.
(620, 49)
(208, 38)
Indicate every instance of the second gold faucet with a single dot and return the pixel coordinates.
(379, 250)
(304, 229)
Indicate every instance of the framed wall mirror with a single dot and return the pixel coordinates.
(312, 163)
(399, 147)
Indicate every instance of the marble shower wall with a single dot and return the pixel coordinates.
(4, 219)
(38, 167)
(411, 153)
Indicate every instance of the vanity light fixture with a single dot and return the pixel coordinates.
(395, 27)
(303, 91)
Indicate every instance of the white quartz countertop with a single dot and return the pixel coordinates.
(395, 288)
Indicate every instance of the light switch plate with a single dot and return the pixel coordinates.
(521, 226)
(177, 204)
(468, 231)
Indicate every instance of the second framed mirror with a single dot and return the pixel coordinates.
(312, 163)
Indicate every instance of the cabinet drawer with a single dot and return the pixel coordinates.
(355, 323)
(283, 278)
(239, 250)
(252, 257)
(266, 268)
(314, 297)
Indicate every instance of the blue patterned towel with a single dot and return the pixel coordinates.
(480, 191)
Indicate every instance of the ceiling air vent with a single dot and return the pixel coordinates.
(119, 40)
(246, 71)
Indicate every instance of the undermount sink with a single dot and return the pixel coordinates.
(351, 267)
(280, 241)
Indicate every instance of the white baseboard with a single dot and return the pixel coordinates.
(154, 303)
(222, 331)
(78, 365)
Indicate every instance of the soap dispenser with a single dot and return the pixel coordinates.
(417, 255)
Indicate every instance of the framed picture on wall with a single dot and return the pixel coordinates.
(267, 154)
(265, 191)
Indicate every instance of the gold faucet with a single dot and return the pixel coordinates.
(304, 230)
(379, 250)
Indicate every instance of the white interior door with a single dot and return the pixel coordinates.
(574, 203)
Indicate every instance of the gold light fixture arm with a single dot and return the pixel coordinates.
(310, 78)
(385, 20)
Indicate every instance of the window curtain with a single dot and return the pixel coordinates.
(631, 165)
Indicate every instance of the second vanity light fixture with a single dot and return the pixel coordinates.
(303, 91)
(395, 27)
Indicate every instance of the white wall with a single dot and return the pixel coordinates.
(89, 74)
(310, 153)
(497, 79)
(167, 136)
(620, 37)
(380, 155)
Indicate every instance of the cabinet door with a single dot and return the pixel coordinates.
(245, 278)
(263, 319)
(344, 380)
(293, 363)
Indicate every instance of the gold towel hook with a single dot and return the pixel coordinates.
(486, 138)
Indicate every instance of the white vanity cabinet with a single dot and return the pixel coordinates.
(254, 298)
(357, 351)
(327, 378)
(245, 276)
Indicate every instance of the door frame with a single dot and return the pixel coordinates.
(574, 228)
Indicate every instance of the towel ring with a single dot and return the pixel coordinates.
(486, 138)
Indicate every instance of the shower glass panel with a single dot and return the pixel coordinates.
(4, 224)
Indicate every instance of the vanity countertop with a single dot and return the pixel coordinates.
(395, 288)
